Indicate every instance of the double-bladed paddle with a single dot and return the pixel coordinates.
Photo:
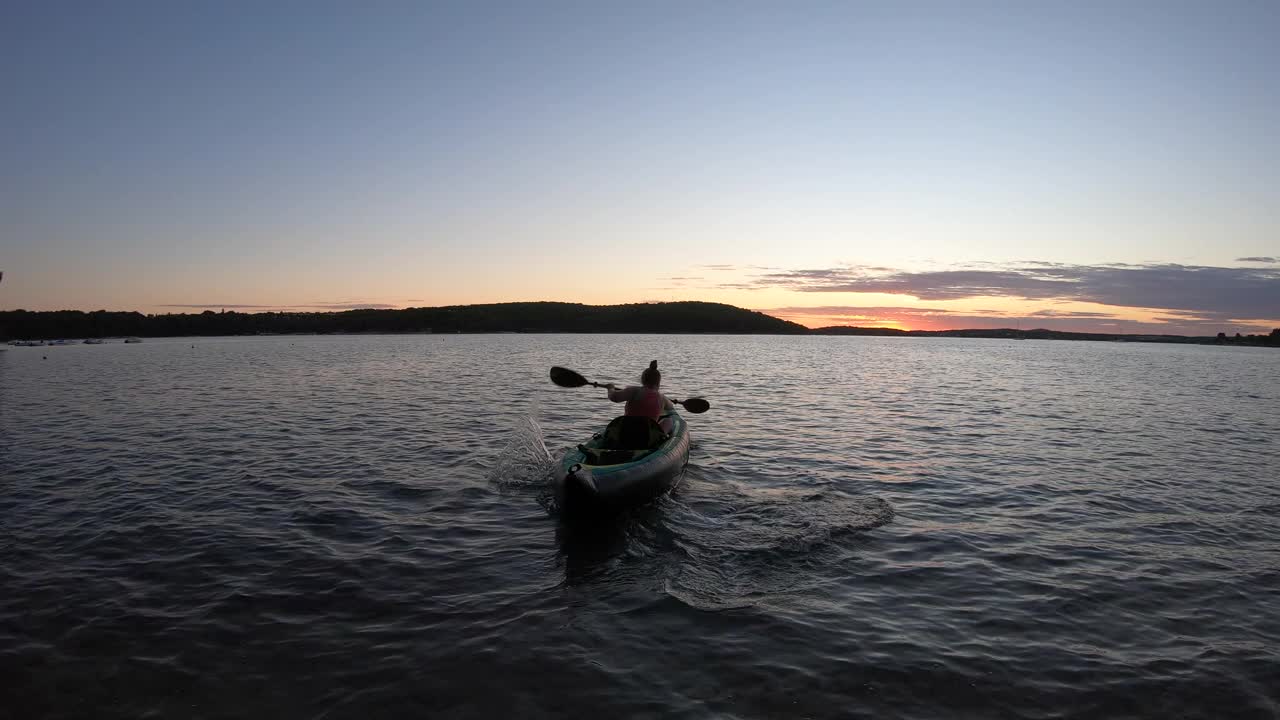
(564, 377)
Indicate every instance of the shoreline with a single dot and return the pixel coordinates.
(972, 334)
(673, 318)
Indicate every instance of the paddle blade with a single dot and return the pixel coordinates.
(696, 405)
(564, 377)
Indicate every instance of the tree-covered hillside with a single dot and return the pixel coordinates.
(672, 317)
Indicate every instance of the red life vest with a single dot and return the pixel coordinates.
(645, 402)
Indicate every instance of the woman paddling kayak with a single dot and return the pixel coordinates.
(645, 399)
(616, 470)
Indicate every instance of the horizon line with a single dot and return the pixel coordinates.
(337, 308)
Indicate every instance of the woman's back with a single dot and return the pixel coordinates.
(646, 402)
(645, 399)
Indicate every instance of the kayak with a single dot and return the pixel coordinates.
(598, 481)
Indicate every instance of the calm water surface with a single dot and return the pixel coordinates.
(355, 527)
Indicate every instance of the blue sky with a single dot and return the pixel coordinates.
(160, 155)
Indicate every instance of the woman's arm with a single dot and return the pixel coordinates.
(622, 395)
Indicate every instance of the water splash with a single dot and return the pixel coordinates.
(760, 547)
(524, 460)
(780, 519)
(525, 463)
(800, 519)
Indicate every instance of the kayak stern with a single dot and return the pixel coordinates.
(587, 492)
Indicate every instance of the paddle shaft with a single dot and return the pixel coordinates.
(565, 377)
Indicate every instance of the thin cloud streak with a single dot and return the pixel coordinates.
(232, 306)
(353, 306)
(1210, 292)
(279, 308)
(1070, 314)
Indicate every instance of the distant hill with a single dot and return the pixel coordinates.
(541, 317)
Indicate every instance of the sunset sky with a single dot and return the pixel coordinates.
(1072, 165)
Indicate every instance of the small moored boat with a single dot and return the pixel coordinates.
(612, 471)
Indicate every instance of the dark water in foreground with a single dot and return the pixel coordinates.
(355, 527)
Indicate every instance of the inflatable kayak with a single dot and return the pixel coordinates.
(615, 469)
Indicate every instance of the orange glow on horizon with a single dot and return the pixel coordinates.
(909, 313)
